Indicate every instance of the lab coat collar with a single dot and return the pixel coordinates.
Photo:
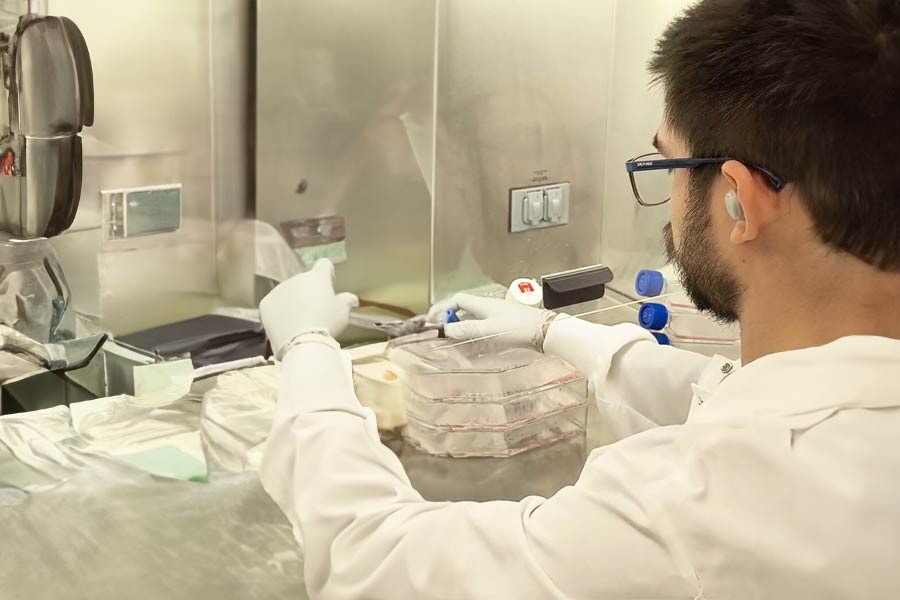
(851, 372)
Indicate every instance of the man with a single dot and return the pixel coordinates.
(778, 479)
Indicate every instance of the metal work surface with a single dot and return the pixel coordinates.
(101, 527)
(105, 530)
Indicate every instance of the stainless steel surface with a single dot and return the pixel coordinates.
(48, 93)
(166, 112)
(538, 207)
(631, 236)
(10, 13)
(118, 523)
(126, 533)
(346, 126)
(38, 392)
(53, 93)
(34, 294)
(37, 7)
(233, 138)
(337, 134)
(111, 372)
(344, 112)
(522, 100)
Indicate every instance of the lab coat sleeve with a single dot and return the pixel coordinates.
(637, 383)
(368, 534)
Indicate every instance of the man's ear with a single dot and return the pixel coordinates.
(752, 204)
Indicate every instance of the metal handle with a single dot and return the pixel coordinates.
(60, 303)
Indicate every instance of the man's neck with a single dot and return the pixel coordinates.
(790, 313)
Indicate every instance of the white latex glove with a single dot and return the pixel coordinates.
(305, 303)
(491, 316)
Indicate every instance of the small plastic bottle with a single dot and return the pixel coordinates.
(675, 321)
(653, 282)
(685, 325)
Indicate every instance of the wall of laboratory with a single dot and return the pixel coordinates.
(632, 234)
(170, 87)
(522, 99)
(344, 112)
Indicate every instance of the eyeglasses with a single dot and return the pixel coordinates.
(651, 175)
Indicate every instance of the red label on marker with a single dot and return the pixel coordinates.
(525, 287)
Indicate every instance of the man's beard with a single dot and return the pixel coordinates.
(704, 275)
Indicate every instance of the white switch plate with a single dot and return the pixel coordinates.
(554, 209)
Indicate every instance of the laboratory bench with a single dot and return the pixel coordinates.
(101, 527)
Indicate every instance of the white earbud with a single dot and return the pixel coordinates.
(733, 206)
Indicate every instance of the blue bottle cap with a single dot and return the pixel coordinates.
(653, 316)
(451, 317)
(662, 338)
(649, 283)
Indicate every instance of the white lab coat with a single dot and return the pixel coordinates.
(784, 482)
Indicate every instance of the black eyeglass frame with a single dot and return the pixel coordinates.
(643, 163)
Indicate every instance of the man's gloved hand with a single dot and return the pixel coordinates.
(491, 316)
(305, 303)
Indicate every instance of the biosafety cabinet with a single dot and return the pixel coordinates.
(389, 135)
(424, 146)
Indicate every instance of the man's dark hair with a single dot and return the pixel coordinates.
(807, 88)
